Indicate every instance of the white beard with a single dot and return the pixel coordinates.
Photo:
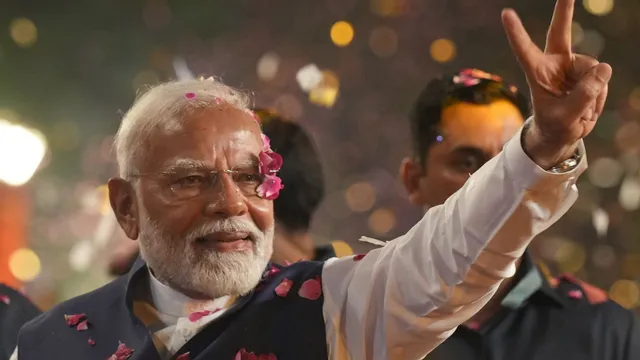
(178, 264)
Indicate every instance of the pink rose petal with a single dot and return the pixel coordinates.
(270, 187)
(473, 326)
(270, 162)
(184, 356)
(575, 294)
(5, 299)
(73, 320)
(84, 325)
(283, 289)
(266, 143)
(359, 257)
(193, 317)
(287, 263)
(122, 353)
(190, 95)
(91, 342)
(217, 100)
(311, 289)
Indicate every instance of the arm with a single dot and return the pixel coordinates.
(403, 300)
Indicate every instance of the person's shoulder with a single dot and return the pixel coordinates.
(594, 299)
(98, 300)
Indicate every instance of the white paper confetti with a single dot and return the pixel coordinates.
(373, 241)
(182, 70)
(600, 220)
(309, 77)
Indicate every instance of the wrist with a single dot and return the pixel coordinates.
(544, 152)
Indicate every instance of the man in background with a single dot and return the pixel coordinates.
(458, 123)
(304, 190)
(15, 311)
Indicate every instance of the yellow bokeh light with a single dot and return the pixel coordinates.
(626, 293)
(326, 92)
(443, 50)
(360, 197)
(634, 99)
(342, 33)
(144, 79)
(24, 264)
(382, 221)
(570, 257)
(24, 32)
(388, 7)
(598, 7)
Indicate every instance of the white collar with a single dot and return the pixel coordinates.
(171, 302)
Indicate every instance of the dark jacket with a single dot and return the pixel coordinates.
(15, 311)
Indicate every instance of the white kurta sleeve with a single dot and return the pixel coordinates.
(402, 300)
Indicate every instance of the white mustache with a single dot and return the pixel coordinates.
(226, 225)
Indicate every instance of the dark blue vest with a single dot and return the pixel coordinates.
(290, 327)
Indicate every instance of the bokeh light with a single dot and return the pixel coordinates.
(634, 98)
(24, 264)
(24, 32)
(360, 197)
(389, 8)
(626, 293)
(605, 172)
(570, 257)
(598, 7)
(267, 67)
(21, 153)
(383, 41)
(382, 221)
(342, 33)
(443, 50)
(577, 34)
(326, 92)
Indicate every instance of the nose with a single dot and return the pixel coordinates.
(228, 201)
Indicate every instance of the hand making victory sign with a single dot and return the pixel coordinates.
(568, 91)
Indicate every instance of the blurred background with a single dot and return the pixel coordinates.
(348, 70)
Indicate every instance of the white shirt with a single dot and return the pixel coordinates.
(404, 299)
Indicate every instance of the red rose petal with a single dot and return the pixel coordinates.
(575, 294)
(266, 142)
(283, 289)
(184, 356)
(122, 353)
(310, 289)
(84, 325)
(5, 299)
(190, 95)
(73, 320)
(359, 257)
(193, 317)
(91, 342)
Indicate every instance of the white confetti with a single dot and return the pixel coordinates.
(600, 220)
(373, 241)
(309, 77)
(629, 196)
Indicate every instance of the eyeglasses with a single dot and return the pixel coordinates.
(189, 184)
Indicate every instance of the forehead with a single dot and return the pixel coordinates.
(213, 136)
(483, 126)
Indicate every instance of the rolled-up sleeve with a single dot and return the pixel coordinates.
(402, 300)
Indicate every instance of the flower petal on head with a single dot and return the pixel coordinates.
(270, 187)
(270, 162)
(266, 143)
(190, 95)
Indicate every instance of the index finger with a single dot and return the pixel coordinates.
(523, 47)
(559, 35)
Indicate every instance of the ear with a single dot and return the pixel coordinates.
(124, 203)
(411, 173)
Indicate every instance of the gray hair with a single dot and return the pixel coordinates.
(165, 107)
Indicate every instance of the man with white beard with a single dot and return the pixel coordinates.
(196, 186)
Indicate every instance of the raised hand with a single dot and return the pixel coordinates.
(568, 90)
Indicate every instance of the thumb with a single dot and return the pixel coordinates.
(587, 90)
